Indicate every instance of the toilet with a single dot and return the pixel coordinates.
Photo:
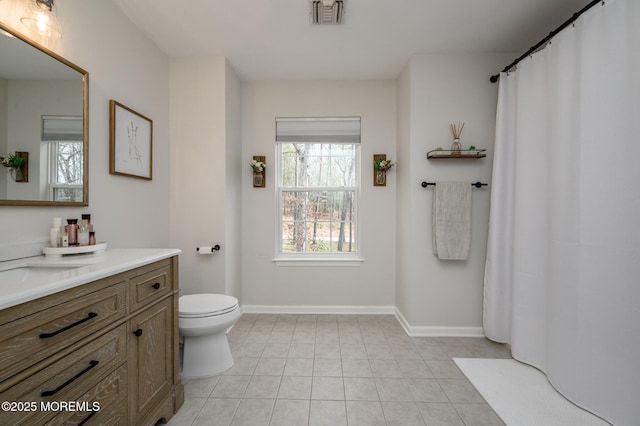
(203, 321)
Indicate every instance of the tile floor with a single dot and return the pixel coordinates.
(339, 370)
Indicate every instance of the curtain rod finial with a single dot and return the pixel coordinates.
(494, 78)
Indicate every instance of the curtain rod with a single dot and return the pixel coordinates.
(494, 78)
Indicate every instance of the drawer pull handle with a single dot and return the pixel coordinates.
(138, 332)
(92, 364)
(55, 333)
(156, 286)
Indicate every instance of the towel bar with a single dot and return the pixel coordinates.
(476, 184)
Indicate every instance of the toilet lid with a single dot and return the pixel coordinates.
(205, 305)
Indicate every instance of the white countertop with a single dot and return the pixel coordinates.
(86, 268)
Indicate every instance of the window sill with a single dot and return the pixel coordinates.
(325, 261)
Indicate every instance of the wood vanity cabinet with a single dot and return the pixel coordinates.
(112, 342)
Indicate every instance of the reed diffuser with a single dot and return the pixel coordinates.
(456, 132)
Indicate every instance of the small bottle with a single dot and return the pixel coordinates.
(72, 231)
(87, 217)
(92, 238)
(65, 239)
(83, 233)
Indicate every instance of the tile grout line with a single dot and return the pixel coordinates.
(345, 329)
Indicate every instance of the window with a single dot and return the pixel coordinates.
(64, 136)
(318, 187)
(66, 167)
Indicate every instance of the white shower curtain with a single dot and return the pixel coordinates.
(562, 278)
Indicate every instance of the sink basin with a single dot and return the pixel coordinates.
(22, 273)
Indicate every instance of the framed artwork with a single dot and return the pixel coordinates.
(130, 142)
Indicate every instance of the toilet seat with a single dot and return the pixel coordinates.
(205, 305)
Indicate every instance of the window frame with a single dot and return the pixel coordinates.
(53, 185)
(287, 258)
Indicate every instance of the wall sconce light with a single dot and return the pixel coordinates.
(40, 17)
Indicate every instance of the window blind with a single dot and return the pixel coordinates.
(329, 130)
(62, 128)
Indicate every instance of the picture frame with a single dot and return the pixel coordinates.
(130, 142)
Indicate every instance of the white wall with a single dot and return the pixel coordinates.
(233, 186)
(436, 296)
(205, 130)
(4, 93)
(406, 184)
(123, 65)
(198, 169)
(372, 283)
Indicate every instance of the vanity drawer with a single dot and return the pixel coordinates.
(30, 339)
(79, 376)
(149, 287)
(111, 394)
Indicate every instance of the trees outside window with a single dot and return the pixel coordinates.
(318, 197)
(66, 169)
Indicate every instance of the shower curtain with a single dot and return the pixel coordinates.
(562, 277)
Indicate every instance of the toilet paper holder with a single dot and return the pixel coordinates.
(208, 249)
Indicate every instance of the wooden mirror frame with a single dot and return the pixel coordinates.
(85, 128)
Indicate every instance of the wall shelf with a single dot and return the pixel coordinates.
(464, 153)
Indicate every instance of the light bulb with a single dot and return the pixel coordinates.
(43, 23)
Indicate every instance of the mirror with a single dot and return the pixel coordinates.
(44, 116)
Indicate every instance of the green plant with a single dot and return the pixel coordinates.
(381, 164)
(472, 147)
(439, 148)
(13, 161)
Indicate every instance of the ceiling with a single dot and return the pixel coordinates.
(274, 40)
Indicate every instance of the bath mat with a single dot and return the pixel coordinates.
(521, 395)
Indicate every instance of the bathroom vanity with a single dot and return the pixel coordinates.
(90, 339)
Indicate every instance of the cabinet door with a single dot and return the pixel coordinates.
(150, 358)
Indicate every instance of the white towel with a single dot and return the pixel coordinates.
(451, 220)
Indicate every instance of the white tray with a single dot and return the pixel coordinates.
(61, 251)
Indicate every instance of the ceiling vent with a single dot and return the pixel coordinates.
(325, 12)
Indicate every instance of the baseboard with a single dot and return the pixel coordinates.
(313, 309)
(414, 331)
(437, 331)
